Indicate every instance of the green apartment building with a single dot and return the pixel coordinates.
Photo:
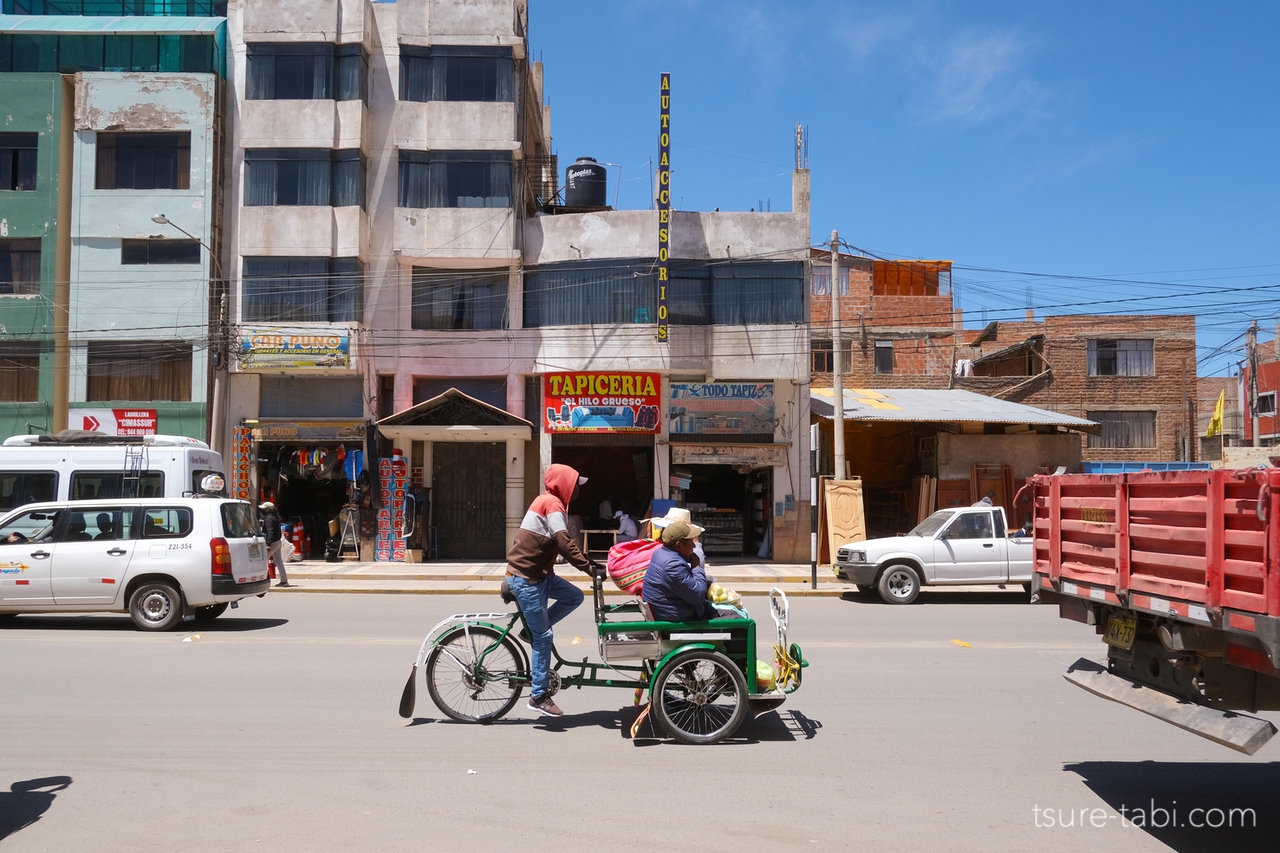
(110, 119)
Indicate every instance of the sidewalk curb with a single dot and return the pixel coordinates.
(796, 593)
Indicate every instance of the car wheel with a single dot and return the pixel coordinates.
(155, 606)
(211, 612)
(899, 584)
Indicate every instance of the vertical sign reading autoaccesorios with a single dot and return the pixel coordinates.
(602, 402)
(664, 201)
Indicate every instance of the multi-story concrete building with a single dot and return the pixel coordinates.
(117, 108)
(397, 255)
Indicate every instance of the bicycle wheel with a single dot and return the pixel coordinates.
(471, 690)
(700, 697)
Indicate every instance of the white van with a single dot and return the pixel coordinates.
(162, 560)
(82, 466)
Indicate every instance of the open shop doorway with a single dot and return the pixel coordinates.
(309, 487)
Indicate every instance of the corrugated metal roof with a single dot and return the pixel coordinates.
(38, 24)
(935, 405)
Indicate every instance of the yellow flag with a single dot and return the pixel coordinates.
(1215, 423)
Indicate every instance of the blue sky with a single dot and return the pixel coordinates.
(1070, 154)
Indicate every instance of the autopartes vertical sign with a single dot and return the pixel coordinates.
(664, 201)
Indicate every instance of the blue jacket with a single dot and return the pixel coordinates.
(674, 590)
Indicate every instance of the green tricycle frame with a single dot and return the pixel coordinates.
(701, 676)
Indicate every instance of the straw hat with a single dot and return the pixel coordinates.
(676, 513)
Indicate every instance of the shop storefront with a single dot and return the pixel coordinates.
(604, 425)
(309, 469)
(723, 456)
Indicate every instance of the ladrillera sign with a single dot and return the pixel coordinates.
(113, 421)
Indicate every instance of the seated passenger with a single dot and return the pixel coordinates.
(77, 529)
(674, 589)
(106, 529)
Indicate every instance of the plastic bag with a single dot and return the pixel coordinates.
(288, 553)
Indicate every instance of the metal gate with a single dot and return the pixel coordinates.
(469, 492)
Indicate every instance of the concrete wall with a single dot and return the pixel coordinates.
(483, 22)
(33, 104)
(456, 125)
(110, 301)
(307, 124)
(957, 454)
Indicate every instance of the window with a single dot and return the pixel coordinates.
(239, 521)
(821, 357)
(159, 252)
(118, 8)
(20, 372)
(386, 395)
(303, 176)
(166, 522)
(306, 72)
(457, 299)
(68, 54)
(1124, 429)
(971, 525)
(884, 356)
(18, 161)
(139, 371)
(455, 179)
(455, 74)
(35, 526)
(20, 267)
(95, 485)
(303, 290)
(1267, 403)
(144, 161)
(26, 487)
(1121, 358)
(700, 293)
(99, 525)
(487, 389)
(311, 397)
(820, 280)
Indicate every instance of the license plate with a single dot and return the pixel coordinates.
(1121, 631)
(255, 551)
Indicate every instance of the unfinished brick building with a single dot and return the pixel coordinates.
(1135, 375)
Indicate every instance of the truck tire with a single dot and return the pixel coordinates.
(899, 584)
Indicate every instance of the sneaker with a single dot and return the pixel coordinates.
(544, 705)
(284, 584)
(524, 635)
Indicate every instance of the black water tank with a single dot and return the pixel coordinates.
(584, 184)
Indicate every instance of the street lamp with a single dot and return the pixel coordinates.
(217, 356)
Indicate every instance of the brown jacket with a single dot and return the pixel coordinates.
(544, 532)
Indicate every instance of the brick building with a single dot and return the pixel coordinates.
(1135, 375)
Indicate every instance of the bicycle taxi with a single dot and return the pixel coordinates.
(703, 677)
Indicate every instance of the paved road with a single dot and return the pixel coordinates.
(276, 730)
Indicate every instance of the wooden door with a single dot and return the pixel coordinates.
(469, 493)
(843, 520)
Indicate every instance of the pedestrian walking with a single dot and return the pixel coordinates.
(275, 544)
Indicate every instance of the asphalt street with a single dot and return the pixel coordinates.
(941, 726)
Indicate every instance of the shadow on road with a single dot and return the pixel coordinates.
(25, 802)
(121, 622)
(1010, 596)
(1192, 807)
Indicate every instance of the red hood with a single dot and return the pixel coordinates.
(560, 481)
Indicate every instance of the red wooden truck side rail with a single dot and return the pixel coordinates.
(1192, 546)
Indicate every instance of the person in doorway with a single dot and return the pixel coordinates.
(989, 499)
(606, 510)
(531, 576)
(275, 545)
(627, 529)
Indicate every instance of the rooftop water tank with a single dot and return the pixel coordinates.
(584, 184)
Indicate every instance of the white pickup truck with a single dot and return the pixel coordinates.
(961, 545)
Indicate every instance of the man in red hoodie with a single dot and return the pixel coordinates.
(531, 564)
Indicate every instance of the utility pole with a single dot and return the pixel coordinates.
(1253, 382)
(1186, 412)
(837, 358)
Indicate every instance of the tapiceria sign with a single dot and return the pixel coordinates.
(602, 402)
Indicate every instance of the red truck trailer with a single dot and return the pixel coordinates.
(1180, 573)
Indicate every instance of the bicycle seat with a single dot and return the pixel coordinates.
(508, 597)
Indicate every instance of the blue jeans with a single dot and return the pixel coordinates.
(532, 599)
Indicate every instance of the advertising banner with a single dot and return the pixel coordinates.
(602, 402)
(241, 462)
(114, 421)
(279, 348)
(721, 408)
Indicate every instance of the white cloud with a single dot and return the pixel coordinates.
(976, 76)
